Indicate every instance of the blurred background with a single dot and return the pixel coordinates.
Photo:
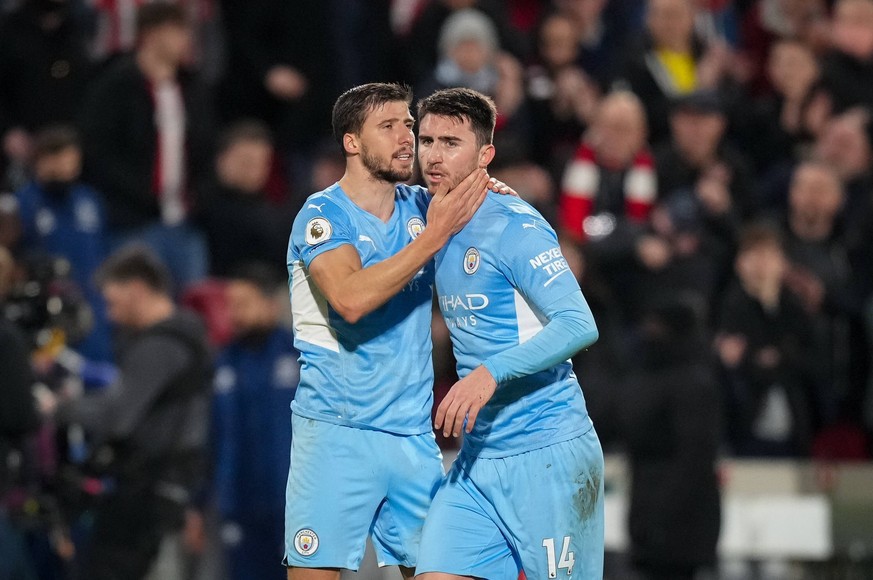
(708, 165)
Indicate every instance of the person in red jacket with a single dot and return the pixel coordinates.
(611, 177)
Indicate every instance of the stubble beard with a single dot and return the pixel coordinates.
(383, 171)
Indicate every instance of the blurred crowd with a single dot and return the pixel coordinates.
(708, 164)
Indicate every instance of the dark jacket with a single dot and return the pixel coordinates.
(244, 227)
(787, 331)
(18, 415)
(640, 74)
(119, 138)
(43, 74)
(17, 405)
(671, 425)
(155, 419)
(848, 80)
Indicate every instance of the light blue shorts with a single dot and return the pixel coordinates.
(346, 483)
(540, 511)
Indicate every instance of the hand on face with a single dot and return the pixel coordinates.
(450, 210)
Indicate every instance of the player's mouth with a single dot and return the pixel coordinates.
(405, 156)
(434, 176)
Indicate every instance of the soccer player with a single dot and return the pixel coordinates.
(363, 455)
(526, 491)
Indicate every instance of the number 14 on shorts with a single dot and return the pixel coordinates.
(566, 560)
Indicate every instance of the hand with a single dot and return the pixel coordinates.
(450, 211)
(654, 252)
(498, 186)
(46, 400)
(194, 532)
(286, 83)
(463, 401)
(731, 349)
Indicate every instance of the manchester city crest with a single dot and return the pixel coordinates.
(471, 261)
(306, 542)
(415, 226)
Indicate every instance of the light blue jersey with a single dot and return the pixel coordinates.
(376, 373)
(497, 280)
(526, 491)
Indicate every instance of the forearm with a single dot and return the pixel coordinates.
(569, 330)
(364, 290)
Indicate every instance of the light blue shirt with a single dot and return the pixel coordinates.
(511, 303)
(376, 373)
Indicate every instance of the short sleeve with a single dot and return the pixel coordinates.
(322, 225)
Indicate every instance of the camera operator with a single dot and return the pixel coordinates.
(150, 426)
(18, 417)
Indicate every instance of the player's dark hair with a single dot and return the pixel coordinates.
(54, 139)
(156, 14)
(265, 277)
(463, 104)
(242, 131)
(351, 108)
(134, 262)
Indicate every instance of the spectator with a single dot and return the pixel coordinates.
(672, 431)
(113, 27)
(768, 21)
(599, 28)
(607, 193)
(670, 60)
(848, 68)
(612, 175)
(470, 56)
(62, 216)
(44, 70)
(279, 65)
(781, 125)
(240, 224)
(562, 97)
(146, 134)
(698, 152)
(255, 382)
(768, 353)
(845, 145)
(422, 50)
(676, 255)
(821, 276)
(151, 425)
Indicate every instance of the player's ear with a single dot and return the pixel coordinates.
(486, 155)
(350, 143)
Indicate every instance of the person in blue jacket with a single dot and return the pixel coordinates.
(255, 381)
(62, 216)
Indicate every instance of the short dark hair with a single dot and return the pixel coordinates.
(156, 14)
(760, 233)
(265, 277)
(351, 108)
(135, 262)
(463, 104)
(54, 139)
(245, 130)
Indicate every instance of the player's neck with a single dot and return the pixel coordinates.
(368, 193)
